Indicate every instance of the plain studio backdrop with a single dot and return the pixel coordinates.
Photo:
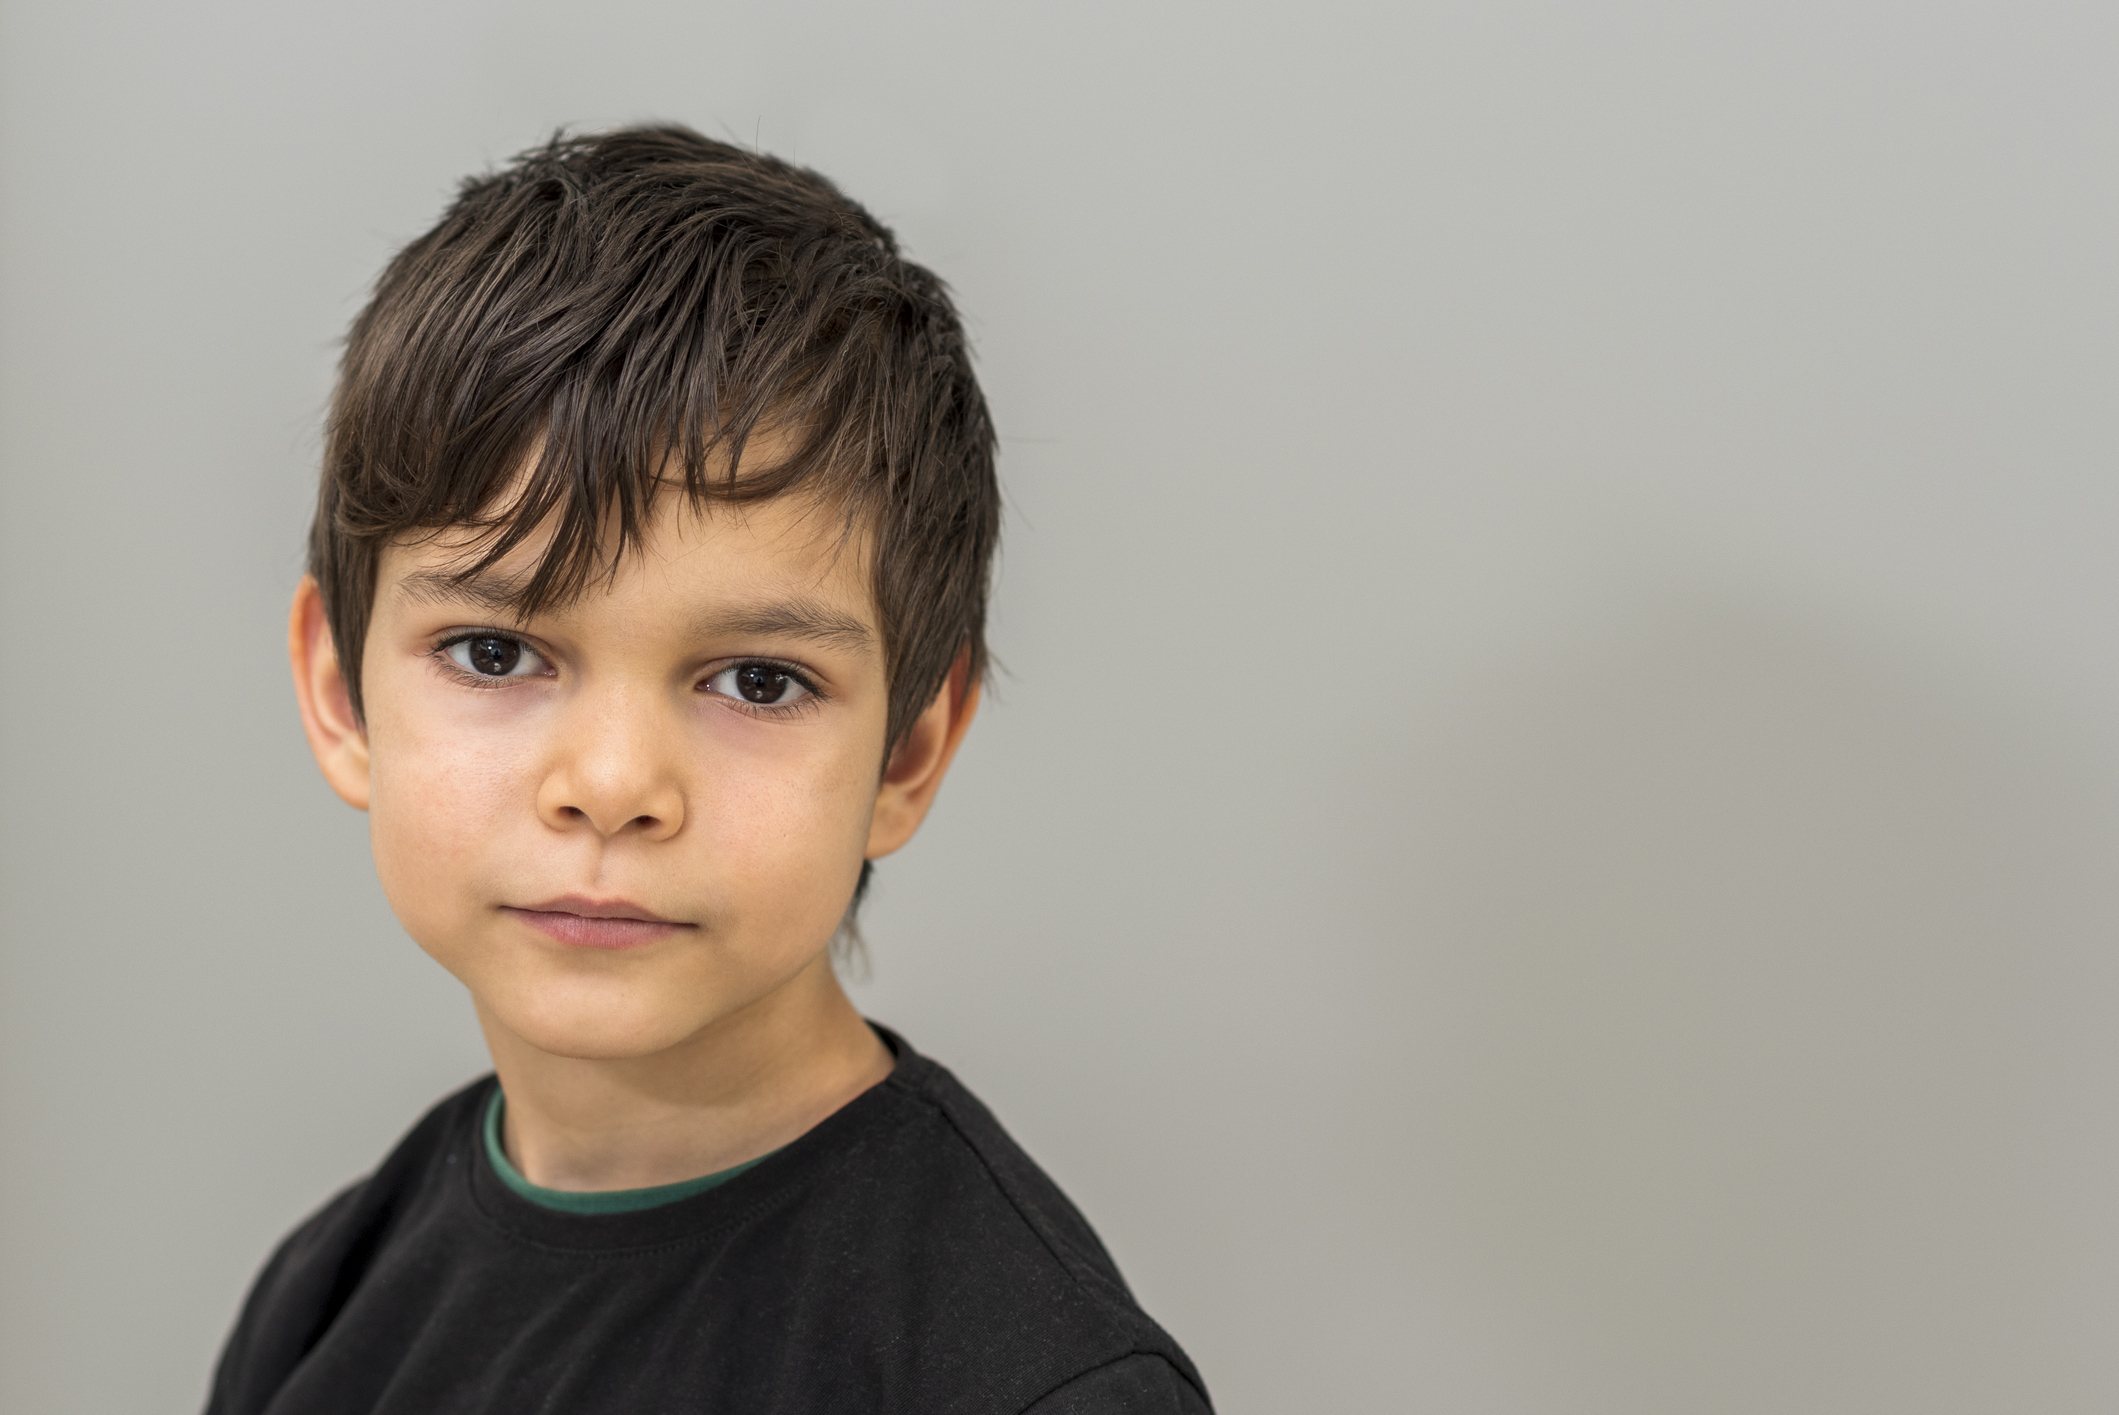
(1548, 841)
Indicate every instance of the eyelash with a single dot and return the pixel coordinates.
(814, 696)
(480, 681)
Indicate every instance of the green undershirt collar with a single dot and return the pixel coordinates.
(608, 1201)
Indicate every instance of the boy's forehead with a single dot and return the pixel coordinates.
(783, 565)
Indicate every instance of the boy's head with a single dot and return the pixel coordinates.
(648, 578)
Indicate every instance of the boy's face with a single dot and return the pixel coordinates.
(624, 819)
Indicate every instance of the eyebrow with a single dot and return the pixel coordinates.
(498, 594)
(795, 618)
(787, 618)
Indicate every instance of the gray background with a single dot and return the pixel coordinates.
(1548, 842)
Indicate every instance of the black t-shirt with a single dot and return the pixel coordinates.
(904, 1255)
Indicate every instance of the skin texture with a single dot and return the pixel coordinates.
(617, 767)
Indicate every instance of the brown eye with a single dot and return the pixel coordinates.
(760, 684)
(494, 656)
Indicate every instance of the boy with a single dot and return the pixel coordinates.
(645, 609)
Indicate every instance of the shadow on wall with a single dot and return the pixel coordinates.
(1742, 997)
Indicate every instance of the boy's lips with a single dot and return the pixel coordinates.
(596, 923)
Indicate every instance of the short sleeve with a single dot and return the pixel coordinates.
(1139, 1384)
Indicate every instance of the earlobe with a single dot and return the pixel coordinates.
(916, 767)
(335, 734)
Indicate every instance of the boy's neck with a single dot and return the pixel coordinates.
(742, 1087)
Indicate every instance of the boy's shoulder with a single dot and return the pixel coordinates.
(905, 1254)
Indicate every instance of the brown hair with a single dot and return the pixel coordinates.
(639, 303)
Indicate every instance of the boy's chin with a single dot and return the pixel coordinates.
(634, 1012)
(597, 1028)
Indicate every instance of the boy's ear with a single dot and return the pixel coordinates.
(335, 734)
(914, 772)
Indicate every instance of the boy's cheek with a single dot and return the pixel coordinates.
(427, 876)
(433, 819)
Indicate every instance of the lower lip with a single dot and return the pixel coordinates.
(595, 933)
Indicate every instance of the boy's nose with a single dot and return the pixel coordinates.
(613, 774)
